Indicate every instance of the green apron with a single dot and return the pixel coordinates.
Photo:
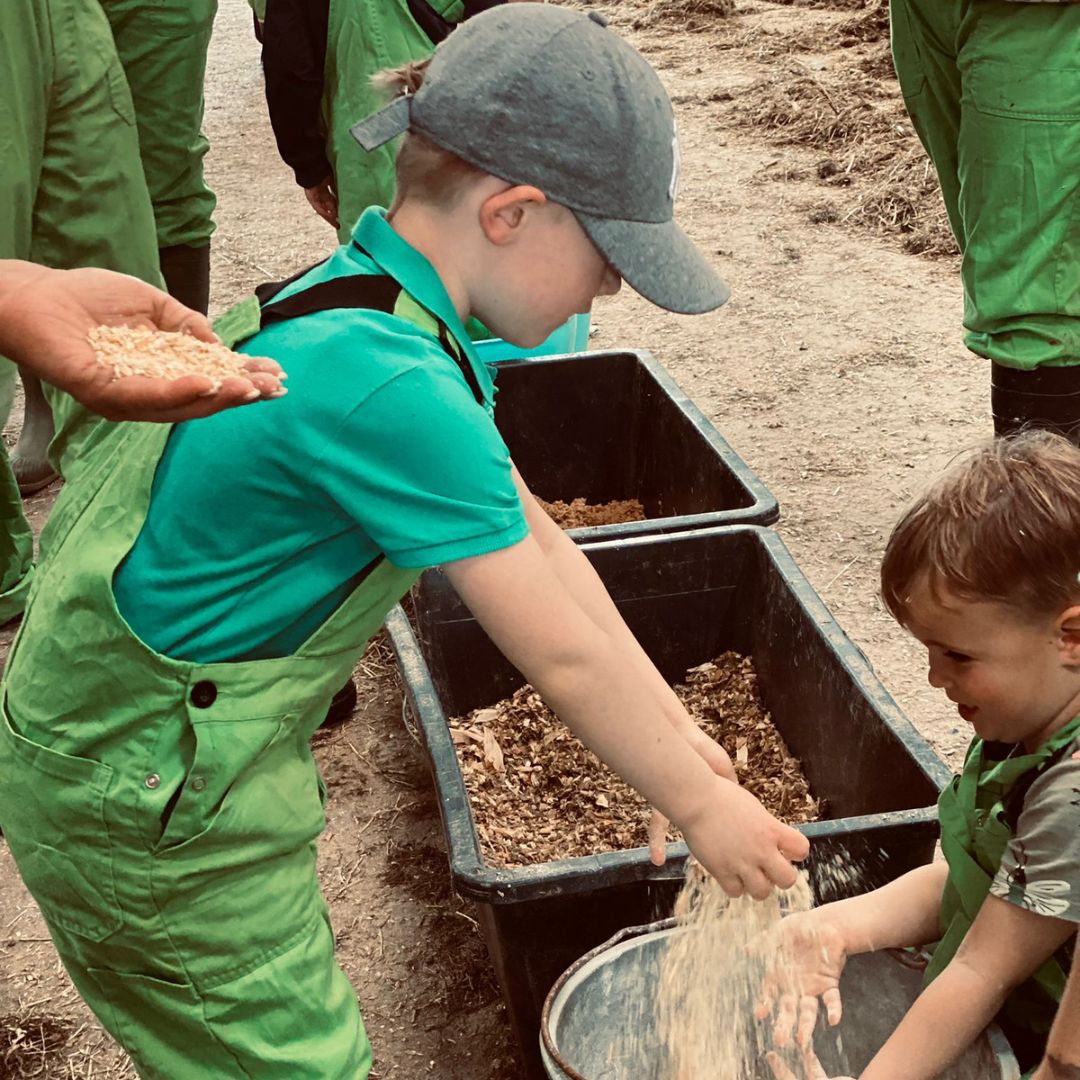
(164, 813)
(65, 115)
(978, 813)
(364, 37)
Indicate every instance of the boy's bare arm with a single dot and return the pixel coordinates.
(575, 571)
(1005, 945)
(584, 675)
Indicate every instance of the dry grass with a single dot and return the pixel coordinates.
(858, 118)
(38, 1045)
(686, 14)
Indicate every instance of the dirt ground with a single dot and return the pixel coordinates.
(836, 370)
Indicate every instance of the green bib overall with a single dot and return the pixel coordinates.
(366, 36)
(978, 814)
(164, 813)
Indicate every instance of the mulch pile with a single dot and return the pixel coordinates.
(579, 514)
(853, 112)
(538, 794)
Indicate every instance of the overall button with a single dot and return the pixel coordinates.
(152, 781)
(203, 694)
(198, 783)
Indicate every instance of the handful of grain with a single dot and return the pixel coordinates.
(163, 354)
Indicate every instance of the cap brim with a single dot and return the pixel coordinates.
(659, 261)
(388, 123)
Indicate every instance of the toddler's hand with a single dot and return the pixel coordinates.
(812, 1069)
(741, 844)
(812, 954)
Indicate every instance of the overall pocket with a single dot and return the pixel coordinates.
(52, 811)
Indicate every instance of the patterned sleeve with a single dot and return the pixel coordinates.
(1040, 870)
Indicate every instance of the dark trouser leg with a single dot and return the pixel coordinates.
(186, 271)
(1046, 398)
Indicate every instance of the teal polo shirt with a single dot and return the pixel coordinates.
(264, 519)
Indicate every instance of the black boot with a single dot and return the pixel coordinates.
(341, 706)
(1045, 397)
(186, 271)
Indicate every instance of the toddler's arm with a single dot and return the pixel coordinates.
(1005, 945)
(816, 945)
(583, 673)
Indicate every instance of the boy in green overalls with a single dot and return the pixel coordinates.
(984, 570)
(210, 587)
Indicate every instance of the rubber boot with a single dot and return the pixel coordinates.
(341, 706)
(186, 271)
(1047, 398)
(30, 458)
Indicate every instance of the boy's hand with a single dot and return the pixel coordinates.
(812, 1069)
(741, 844)
(717, 758)
(811, 960)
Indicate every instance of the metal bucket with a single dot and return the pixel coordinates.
(598, 1015)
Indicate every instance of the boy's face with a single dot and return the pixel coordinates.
(551, 272)
(1014, 677)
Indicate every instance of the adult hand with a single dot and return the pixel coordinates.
(720, 763)
(741, 844)
(810, 960)
(46, 315)
(812, 1069)
(323, 200)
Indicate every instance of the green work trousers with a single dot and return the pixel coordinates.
(163, 813)
(162, 46)
(71, 188)
(993, 89)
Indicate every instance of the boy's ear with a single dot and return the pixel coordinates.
(502, 214)
(1069, 636)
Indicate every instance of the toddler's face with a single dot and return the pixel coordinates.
(1003, 668)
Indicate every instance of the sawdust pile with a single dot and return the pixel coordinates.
(711, 979)
(538, 794)
(579, 514)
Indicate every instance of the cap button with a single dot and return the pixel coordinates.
(600, 20)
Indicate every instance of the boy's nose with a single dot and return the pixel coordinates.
(935, 678)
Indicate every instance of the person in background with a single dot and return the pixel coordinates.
(46, 315)
(230, 572)
(984, 570)
(162, 47)
(993, 89)
(65, 105)
(318, 59)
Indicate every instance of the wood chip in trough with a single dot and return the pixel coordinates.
(538, 794)
(579, 514)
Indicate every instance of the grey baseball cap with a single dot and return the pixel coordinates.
(542, 95)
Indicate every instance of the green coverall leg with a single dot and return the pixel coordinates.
(71, 187)
(993, 89)
(162, 46)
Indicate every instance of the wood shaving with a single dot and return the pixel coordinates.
(579, 514)
(538, 794)
(162, 354)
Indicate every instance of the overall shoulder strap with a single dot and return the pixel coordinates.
(375, 292)
(1014, 802)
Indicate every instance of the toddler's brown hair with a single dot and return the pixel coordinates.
(1003, 524)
